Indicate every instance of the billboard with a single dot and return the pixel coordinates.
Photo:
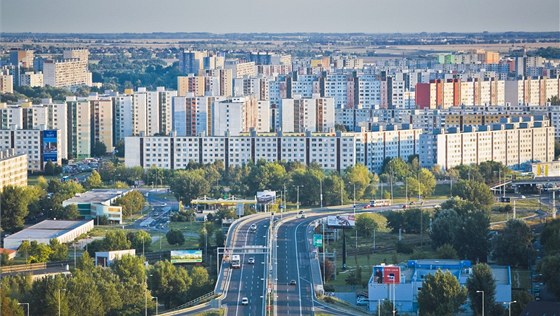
(387, 274)
(50, 146)
(266, 197)
(186, 256)
(341, 221)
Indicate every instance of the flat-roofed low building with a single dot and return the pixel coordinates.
(43, 232)
(13, 168)
(99, 203)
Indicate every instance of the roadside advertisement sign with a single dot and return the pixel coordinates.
(266, 197)
(341, 221)
(186, 256)
(50, 145)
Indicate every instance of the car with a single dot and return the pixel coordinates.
(245, 301)
(361, 301)
(523, 197)
(253, 227)
(292, 282)
(251, 260)
(301, 215)
(405, 206)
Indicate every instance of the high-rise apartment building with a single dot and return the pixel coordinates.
(13, 169)
(300, 115)
(6, 81)
(66, 73)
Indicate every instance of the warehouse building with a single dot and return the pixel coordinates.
(43, 232)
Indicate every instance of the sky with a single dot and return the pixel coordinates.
(248, 16)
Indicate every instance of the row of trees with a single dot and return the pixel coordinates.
(121, 290)
(550, 264)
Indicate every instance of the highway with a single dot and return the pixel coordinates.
(250, 280)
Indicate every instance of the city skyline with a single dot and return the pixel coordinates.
(246, 16)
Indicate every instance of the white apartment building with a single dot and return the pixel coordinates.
(66, 73)
(31, 79)
(239, 115)
(336, 86)
(332, 151)
(124, 117)
(40, 146)
(305, 86)
(79, 128)
(513, 144)
(192, 116)
(13, 169)
(299, 115)
(369, 91)
(6, 81)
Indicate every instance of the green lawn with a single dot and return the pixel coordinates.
(190, 231)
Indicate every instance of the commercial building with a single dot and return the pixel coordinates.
(13, 168)
(99, 203)
(43, 232)
(514, 142)
(401, 284)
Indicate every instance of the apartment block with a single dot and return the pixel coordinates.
(31, 79)
(6, 81)
(240, 115)
(299, 115)
(515, 143)
(13, 169)
(40, 146)
(66, 73)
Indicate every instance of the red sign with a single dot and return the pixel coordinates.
(391, 275)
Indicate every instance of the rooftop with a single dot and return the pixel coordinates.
(97, 196)
(47, 229)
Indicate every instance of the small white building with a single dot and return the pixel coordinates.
(106, 258)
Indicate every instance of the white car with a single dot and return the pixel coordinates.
(251, 260)
(253, 227)
(245, 301)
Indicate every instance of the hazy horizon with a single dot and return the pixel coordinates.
(289, 16)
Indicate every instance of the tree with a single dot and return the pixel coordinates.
(189, 184)
(446, 251)
(132, 203)
(220, 238)
(71, 212)
(50, 169)
(396, 167)
(94, 180)
(59, 251)
(14, 207)
(358, 176)
(175, 237)
(47, 296)
(84, 296)
(130, 269)
(427, 182)
(554, 100)
(169, 283)
(482, 279)
(119, 148)
(550, 237)
(549, 267)
(441, 294)
(464, 226)
(474, 191)
(368, 222)
(10, 307)
(116, 240)
(99, 149)
(140, 240)
(200, 282)
(513, 245)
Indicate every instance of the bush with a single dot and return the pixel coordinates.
(404, 248)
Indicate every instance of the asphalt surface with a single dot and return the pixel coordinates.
(250, 280)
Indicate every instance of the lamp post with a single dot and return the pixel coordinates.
(297, 197)
(321, 191)
(27, 307)
(157, 303)
(59, 301)
(482, 301)
(354, 207)
(509, 307)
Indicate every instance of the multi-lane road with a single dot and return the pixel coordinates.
(251, 278)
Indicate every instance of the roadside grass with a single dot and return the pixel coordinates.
(33, 179)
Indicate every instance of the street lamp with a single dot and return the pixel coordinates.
(321, 191)
(27, 307)
(59, 302)
(482, 301)
(157, 303)
(509, 306)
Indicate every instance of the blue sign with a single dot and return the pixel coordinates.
(50, 146)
